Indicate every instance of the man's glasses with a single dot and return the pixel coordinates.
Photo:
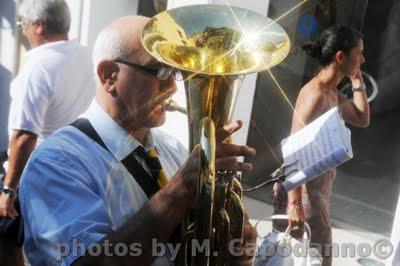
(162, 73)
(21, 23)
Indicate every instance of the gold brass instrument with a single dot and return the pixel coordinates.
(213, 46)
(171, 105)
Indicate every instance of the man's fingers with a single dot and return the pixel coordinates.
(227, 150)
(249, 231)
(230, 163)
(223, 133)
(227, 157)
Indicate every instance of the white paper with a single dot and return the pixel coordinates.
(321, 145)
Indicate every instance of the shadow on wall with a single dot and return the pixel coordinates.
(388, 76)
(7, 12)
(5, 79)
(7, 21)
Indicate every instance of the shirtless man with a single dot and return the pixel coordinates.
(339, 51)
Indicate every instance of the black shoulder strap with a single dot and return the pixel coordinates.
(86, 127)
(149, 186)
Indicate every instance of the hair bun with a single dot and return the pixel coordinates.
(313, 49)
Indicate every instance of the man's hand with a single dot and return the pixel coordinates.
(226, 157)
(242, 253)
(226, 154)
(7, 206)
(239, 252)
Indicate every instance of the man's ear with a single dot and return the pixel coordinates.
(107, 72)
(339, 57)
(40, 28)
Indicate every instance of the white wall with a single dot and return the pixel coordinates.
(178, 3)
(91, 16)
(75, 6)
(102, 12)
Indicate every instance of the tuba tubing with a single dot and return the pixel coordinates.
(206, 186)
(213, 55)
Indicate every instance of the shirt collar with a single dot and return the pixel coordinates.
(49, 45)
(118, 141)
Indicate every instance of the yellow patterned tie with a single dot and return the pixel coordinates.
(156, 168)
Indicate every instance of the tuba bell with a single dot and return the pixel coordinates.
(214, 47)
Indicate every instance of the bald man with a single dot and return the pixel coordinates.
(89, 193)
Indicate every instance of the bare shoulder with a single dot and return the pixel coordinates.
(309, 105)
(311, 93)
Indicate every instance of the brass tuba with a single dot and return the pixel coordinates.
(213, 46)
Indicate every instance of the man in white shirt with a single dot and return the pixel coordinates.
(53, 88)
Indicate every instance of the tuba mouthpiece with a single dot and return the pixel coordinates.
(171, 105)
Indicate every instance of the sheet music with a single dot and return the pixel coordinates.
(319, 146)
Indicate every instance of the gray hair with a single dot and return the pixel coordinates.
(110, 45)
(54, 14)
